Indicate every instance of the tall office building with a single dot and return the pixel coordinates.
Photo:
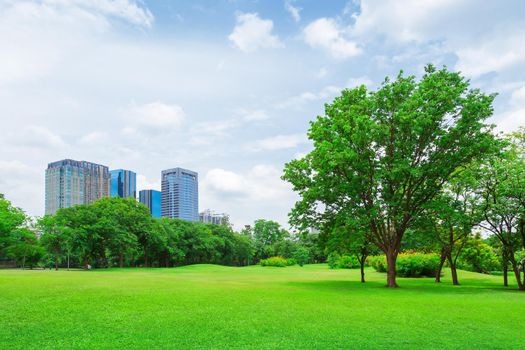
(151, 199)
(210, 217)
(123, 183)
(71, 182)
(180, 194)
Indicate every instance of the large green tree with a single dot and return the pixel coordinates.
(383, 155)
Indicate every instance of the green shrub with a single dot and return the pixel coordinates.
(277, 261)
(378, 262)
(478, 256)
(301, 256)
(409, 264)
(336, 261)
(332, 260)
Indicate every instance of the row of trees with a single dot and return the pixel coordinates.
(121, 232)
(413, 159)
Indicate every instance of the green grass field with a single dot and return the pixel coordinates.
(216, 307)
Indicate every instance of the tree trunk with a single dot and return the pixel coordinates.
(85, 263)
(56, 262)
(121, 260)
(442, 259)
(145, 257)
(505, 274)
(453, 270)
(391, 258)
(362, 263)
(517, 272)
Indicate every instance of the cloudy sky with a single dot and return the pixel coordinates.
(226, 88)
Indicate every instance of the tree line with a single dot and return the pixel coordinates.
(414, 161)
(120, 232)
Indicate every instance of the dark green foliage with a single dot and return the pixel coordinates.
(11, 219)
(409, 264)
(24, 248)
(301, 256)
(120, 232)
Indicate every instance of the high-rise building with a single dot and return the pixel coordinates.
(71, 182)
(151, 199)
(210, 217)
(180, 194)
(123, 183)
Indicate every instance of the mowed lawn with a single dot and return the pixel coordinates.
(216, 307)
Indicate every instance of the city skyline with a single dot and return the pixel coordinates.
(225, 88)
(71, 182)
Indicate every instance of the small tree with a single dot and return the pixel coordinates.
(451, 216)
(24, 248)
(301, 256)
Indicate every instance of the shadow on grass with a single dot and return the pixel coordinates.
(416, 285)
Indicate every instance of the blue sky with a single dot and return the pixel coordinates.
(226, 88)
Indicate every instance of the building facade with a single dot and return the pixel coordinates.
(71, 182)
(123, 183)
(152, 200)
(180, 194)
(210, 217)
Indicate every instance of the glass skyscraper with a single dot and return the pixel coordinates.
(71, 182)
(123, 183)
(180, 194)
(152, 200)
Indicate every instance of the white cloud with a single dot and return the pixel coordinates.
(277, 142)
(299, 101)
(252, 33)
(256, 115)
(205, 133)
(322, 73)
(294, 11)
(256, 193)
(485, 38)
(327, 34)
(406, 20)
(38, 137)
(224, 181)
(493, 54)
(158, 114)
(129, 11)
(514, 117)
(143, 183)
(95, 136)
(358, 81)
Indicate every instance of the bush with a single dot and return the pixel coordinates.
(409, 264)
(477, 256)
(277, 261)
(336, 261)
(301, 256)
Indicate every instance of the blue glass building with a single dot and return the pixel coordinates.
(123, 183)
(151, 199)
(180, 194)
